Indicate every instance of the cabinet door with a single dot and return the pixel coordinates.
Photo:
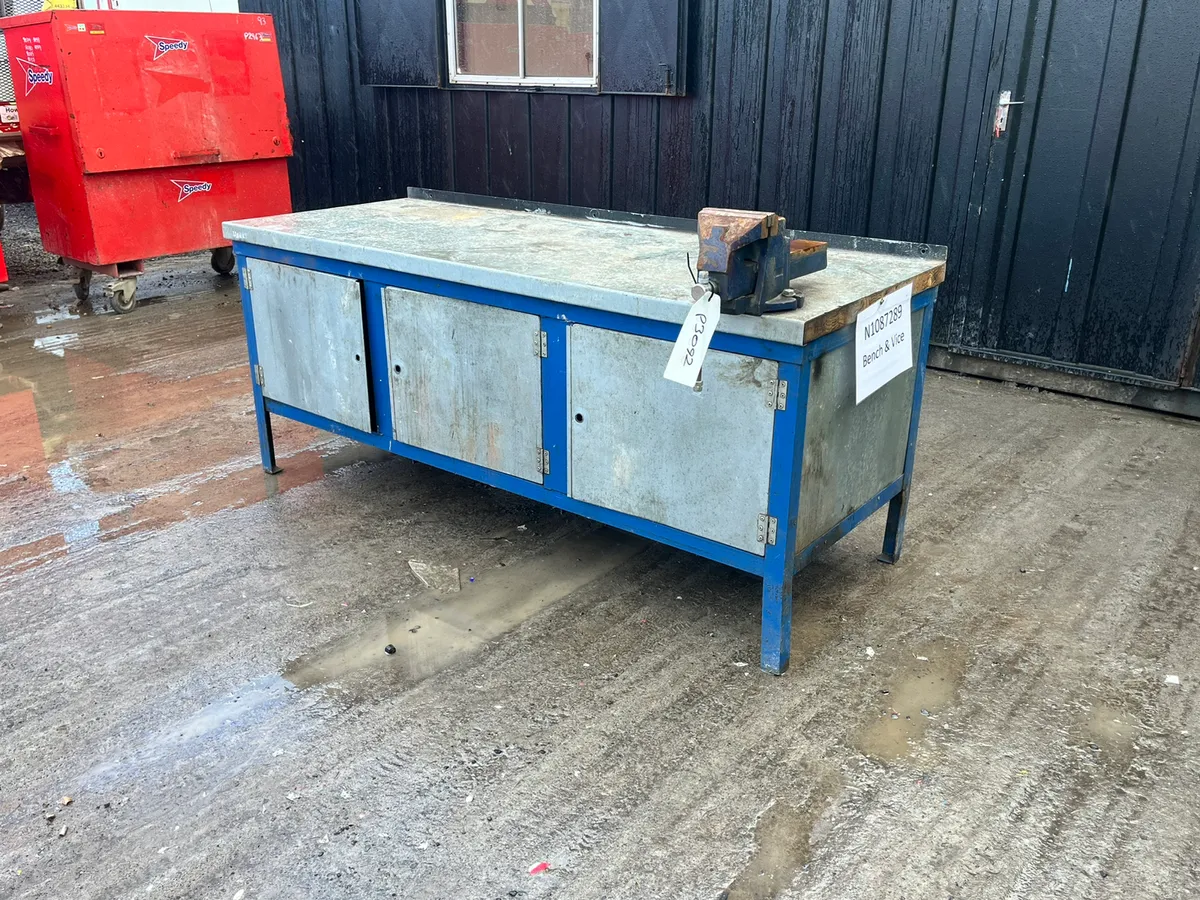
(466, 380)
(699, 461)
(308, 327)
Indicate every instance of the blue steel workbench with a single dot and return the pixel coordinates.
(525, 349)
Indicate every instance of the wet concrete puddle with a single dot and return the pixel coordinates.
(438, 628)
(114, 425)
(117, 424)
(217, 726)
(1110, 733)
(784, 837)
(926, 680)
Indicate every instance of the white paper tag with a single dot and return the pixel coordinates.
(883, 342)
(687, 356)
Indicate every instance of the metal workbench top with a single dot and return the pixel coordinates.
(638, 269)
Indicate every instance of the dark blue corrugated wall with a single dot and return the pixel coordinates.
(1073, 238)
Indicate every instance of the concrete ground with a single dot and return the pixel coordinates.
(193, 653)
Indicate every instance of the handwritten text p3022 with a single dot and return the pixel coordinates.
(687, 356)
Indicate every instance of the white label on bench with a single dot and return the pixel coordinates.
(883, 343)
(687, 356)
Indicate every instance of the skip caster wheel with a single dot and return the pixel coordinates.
(83, 285)
(123, 295)
(222, 260)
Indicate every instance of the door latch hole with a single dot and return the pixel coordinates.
(579, 417)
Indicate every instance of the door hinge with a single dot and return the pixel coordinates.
(260, 377)
(768, 529)
(776, 396)
(247, 281)
(540, 346)
(542, 460)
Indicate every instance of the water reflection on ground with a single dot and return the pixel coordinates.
(111, 425)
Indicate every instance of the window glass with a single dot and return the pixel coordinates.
(558, 38)
(487, 37)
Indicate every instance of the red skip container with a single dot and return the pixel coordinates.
(144, 131)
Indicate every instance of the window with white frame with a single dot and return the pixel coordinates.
(548, 43)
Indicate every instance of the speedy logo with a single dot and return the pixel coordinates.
(35, 75)
(187, 188)
(163, 46)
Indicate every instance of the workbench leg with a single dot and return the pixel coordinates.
(266, 440)
(893, 532)
(783, 505)
(776, 623)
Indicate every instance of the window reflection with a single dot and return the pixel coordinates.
(558, 38)
(487, 37)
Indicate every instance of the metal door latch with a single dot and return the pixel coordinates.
(1002, 106)
(768, 529)
(776, 395)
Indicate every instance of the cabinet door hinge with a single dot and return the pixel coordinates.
(260, 377)
(776, 395)
(768, 529)
(539, 344)
(247, 281)
(542, 460)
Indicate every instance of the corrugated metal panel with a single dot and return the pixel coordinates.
(863, 116)
(1080, 253)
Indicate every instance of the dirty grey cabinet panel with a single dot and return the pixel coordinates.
(851, 450)
(308, 327)
(699, 461)
(466, 380)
